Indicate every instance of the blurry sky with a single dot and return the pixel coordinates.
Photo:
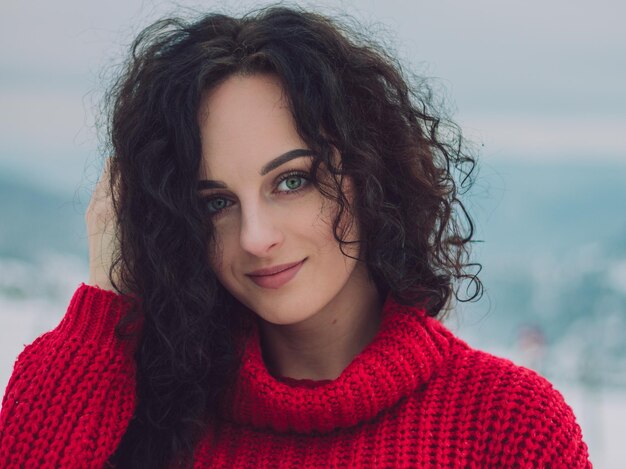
(530, 79)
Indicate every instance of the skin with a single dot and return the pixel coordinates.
(100, 221)
(313, 326)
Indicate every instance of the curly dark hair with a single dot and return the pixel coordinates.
(347, 94)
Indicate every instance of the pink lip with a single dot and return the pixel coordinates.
(277, 276)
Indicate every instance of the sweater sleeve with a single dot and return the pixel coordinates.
(536, 427)
(72, 391)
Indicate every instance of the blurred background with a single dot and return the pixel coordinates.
(537, 86)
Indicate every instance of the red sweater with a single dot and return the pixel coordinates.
(417, 396)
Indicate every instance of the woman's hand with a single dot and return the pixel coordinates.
(101, 232)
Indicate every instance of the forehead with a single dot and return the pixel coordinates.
(246, 119)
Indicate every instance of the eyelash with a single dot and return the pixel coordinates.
(283, 177)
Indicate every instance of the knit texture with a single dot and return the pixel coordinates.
(416, 396)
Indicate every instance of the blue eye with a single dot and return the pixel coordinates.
(292, 182)
(287, 184)
(216, 204)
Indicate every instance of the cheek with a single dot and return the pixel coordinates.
(320, 223)
(216, 264)
(346, 229)
(220, 251)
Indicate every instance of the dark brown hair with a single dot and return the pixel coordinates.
(347, 94)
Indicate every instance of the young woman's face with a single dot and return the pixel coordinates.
(267, 214)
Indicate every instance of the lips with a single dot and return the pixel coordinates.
(276, 276)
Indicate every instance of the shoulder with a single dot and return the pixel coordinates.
(520, 413)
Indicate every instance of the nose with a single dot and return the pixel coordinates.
(260, 233)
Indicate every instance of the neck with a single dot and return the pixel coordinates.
(322, 346)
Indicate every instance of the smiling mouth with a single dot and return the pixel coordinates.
(274, 270)
(279, 277)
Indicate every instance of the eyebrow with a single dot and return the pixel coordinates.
(270, 166)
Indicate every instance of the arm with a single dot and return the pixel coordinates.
(535, 427)
(72, 391)
(556, 438)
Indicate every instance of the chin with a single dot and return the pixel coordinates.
(284, 316)
(280, 311)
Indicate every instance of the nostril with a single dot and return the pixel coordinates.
(259, 238)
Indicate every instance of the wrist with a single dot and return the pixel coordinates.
(100, 281)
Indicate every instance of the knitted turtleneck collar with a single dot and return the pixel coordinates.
(407, 349)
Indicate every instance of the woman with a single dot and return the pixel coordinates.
(270, 246)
